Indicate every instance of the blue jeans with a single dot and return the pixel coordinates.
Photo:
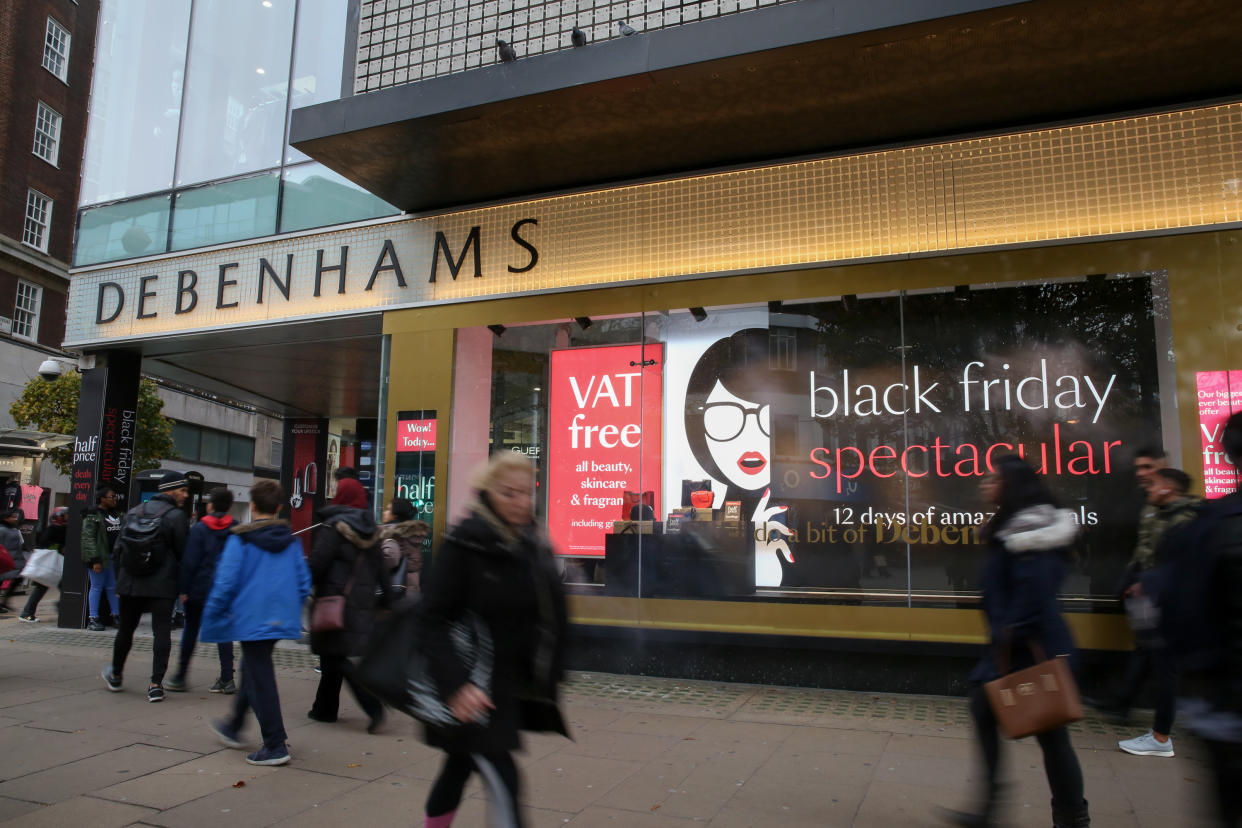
(99, 582)
(189, 637)
(258, 692)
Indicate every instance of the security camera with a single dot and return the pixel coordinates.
(50, 369)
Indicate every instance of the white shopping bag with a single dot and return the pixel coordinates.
(44, 567)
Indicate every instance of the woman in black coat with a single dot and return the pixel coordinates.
(1028, 541)
(345, 560)
(494, 570)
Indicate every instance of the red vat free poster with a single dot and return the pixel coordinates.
(1220, 395)
(605, 407)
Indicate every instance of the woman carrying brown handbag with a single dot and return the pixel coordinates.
(1028, 543)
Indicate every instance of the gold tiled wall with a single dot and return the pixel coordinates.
(1143, 174)
(401, 41)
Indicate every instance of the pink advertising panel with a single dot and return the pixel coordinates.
(1219, 395)
(604, 431)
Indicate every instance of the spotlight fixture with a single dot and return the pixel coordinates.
(578, 37)
(584, 322)
(961, 293)
(775, 306)
(506, 52)
(499, 330)
(849, 302)
(698, 313)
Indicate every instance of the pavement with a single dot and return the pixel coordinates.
(646, 752)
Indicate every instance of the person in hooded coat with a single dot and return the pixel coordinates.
(404, 537)
(345, 560)
(495, 568)
(261, 582)
(1028, 540)
(198, 568)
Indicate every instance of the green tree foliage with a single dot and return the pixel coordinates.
(52, 406)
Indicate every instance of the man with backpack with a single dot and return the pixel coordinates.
(198, 570)
(150, 546)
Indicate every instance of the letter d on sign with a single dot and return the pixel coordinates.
(104, 287)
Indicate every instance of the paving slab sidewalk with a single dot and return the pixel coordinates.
(646, 752)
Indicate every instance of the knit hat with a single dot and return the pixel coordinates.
(174, 480)
(349, 492)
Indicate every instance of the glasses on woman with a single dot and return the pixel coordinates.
(725, 420)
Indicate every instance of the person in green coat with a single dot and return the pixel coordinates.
(100, 527)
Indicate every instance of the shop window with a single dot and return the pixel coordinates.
(38, 220)
(47, 133)
(26, 310)
(833, 454)
(56, 50)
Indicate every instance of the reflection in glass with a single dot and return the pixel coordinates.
(318, 58)
(139, 63)
(314, 196)
(224, 212)
(121, 231)
(236, 89)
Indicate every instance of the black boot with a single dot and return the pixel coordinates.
(1075, 816)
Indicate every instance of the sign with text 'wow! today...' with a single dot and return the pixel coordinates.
(604, 440)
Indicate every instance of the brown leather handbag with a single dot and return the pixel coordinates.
(328, 611)
(1035, 700)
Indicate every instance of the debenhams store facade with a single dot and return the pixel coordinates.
(824, 356)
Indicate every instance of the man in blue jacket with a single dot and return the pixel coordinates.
(198, 569)
(260, 585)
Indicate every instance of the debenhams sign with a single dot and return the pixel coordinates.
(384, 265)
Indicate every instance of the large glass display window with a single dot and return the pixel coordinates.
(832, 449)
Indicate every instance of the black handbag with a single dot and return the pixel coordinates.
(394, 663)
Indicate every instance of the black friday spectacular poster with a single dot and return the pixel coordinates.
(855, 433)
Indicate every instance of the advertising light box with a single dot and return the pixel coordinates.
(604, 441)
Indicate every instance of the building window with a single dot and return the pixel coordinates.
(56, 50)
(26, 310)
(274, 457)
(217, 448)
(38, 218)
(47, 133)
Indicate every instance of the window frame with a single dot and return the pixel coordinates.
(49, 139)
(33, 312)
(33, 197)
(57, 43)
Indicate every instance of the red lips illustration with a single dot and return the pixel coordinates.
(752, 462)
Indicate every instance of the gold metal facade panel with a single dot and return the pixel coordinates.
(1136, 175)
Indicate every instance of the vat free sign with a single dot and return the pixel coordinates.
(604, 423)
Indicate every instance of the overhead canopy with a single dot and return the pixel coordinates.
(811, 77)
(31, 443)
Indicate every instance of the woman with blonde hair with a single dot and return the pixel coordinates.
(495, 570)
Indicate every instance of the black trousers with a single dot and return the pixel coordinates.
(258, 693)
(189, 637)
(500, 777)
(132, 608)
(1227, 765)
(1060, 762)
(1151, 660)
(335, 669)
(37, 591)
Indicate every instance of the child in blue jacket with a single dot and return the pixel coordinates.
(260, 585)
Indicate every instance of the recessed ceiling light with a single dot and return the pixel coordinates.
(260, 71)
(267, 4)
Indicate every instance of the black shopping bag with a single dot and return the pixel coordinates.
(394, 664)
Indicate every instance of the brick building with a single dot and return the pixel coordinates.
(46, 59)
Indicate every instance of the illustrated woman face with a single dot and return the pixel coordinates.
(738, 437)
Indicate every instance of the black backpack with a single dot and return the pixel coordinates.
(143, 544)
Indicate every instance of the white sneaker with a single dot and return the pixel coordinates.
(1146, 745)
